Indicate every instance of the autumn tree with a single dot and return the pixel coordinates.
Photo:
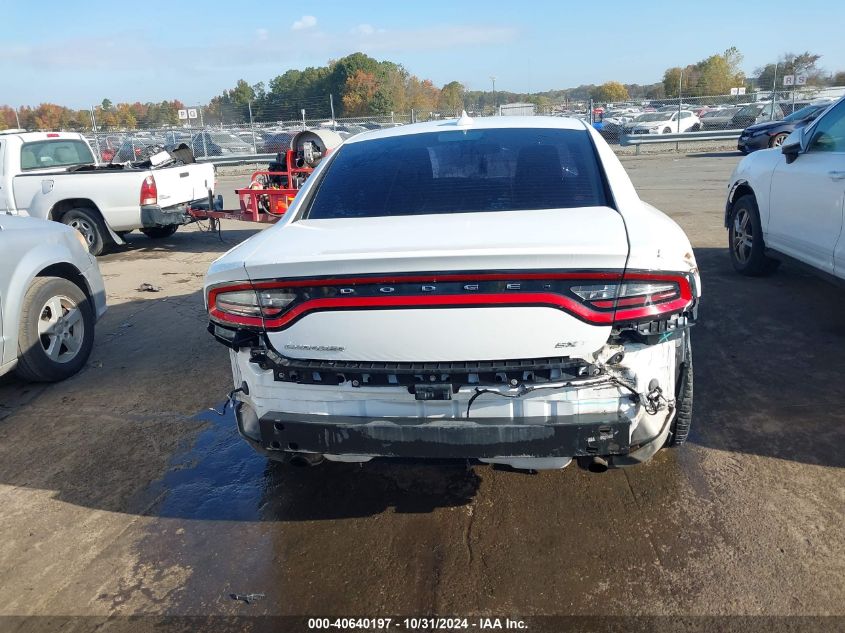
(714, 75)
(609, 92)
(422, 95)
(7, 117)
(358, 92)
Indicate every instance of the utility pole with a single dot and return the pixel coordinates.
(202, 131)
(495, 100)
(251, 126)
(17, 118)
(774, 94)
(331, 105)
(680, 89)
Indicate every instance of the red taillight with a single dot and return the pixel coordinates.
(637, 297)
(52, 135)
(599, 298)
(149, 192)
(244, 304)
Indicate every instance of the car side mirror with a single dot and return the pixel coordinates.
(792, 145)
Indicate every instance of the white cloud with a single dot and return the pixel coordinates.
(365, 29)
(305, 22)
(262, 35)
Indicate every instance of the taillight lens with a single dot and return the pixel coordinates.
(149, 191)
(638, 298)
(627, 294)
(242, 304)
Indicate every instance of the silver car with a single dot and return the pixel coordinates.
(51, 295)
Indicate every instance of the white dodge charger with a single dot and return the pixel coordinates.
(488, 289)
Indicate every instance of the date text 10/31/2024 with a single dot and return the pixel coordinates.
(417, 624)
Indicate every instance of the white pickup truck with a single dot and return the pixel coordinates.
(55, 175)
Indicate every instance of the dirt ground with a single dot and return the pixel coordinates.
(121, 494)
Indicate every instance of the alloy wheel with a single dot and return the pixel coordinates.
(61, 329)
(743, 239)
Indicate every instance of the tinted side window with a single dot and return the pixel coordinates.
(55, 153)
(460, 171)
(828, 135)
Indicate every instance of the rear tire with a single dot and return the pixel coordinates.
(667, 130)
(89, 223)
(160, 232)
(56, 331)
(683, 401)
(745, 239)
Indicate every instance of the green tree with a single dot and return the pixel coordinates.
(791, 64)
(609, 92)
(451, 97)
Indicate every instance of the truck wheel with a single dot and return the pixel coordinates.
(56, 330)
(683, 402)
(93, 229)
(745, 239)
(159, 232)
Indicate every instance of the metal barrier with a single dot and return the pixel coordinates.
(242, 159)
(638, 140)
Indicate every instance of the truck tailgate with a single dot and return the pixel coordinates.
(178, 185)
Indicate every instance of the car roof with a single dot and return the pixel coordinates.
(475, 123)
(28, 137)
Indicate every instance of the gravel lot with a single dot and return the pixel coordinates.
(123, 495)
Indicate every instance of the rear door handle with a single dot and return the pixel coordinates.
(836, 175)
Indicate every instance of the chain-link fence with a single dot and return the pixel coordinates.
(693, 114)
(219, 132)
(223, 139)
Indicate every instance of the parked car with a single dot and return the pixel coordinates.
(55, 176)
(276, 143)
(718, 119)
(133, 149)
(51, 295)
(490, 288)
(755, 113)
(664, 123)
(789, 203)
(774, 133)
(219, 144)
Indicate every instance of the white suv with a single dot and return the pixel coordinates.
(666, 122)
(491, 289)
(789, 202)
(51, 295)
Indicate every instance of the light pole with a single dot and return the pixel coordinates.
(774, 94)
(495, 100)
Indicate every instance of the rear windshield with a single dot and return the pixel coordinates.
(55, 153)
(461, 171)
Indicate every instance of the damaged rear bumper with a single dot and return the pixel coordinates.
(480, 438)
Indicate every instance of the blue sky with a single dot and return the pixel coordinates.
(78, 53)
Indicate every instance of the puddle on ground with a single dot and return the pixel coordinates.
(220, 477)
